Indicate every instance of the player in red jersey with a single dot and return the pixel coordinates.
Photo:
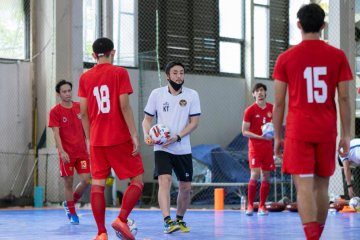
(261, 159)
(312, 71)
(109, 125)
(65, 121)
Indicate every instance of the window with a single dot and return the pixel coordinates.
(124, 32)
(91, 27)
(231, 31)
(14, 29)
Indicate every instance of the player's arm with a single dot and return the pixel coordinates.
(345, 118)
(85, 118)
(64, 156)
(347, 173)
(146, 125)
(247, 133)
(129, 119)
(191, 126)
(278, 113)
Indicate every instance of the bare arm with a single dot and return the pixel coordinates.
(345, 118)
(193, 124)
(146, 125)
(64, 156)
(347, 172)
(247, 133)
(129, 119)
(85, 117)
(278, 113)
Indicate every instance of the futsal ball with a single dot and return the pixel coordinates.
(355, 203)
(159, 133)
(268, 130)
(133, 228)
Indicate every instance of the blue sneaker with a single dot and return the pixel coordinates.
(171, 227)
(74, 219)
(262, 211)
(67, 212)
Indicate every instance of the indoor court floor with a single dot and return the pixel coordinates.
(52, 224)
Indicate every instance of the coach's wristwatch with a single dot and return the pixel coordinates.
(178, 138)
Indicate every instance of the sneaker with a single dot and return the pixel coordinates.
(249, 211)
(74, 219)
(183, 227)
(171, 227)
(67, 212)
(262, 211)
(102, 236)
(122, 229)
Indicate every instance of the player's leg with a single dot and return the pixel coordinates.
(83, 169)
(325, 167)
(264, 192)
(183, 169)
(255, 175)
(307, 205)
(163, 172)
(100, 169)
(126, 166)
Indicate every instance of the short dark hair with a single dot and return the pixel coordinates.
(311, 17)
(259, 85)
(102, 47)
(171, 64)
(60, 83)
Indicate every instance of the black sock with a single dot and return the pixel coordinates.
(167, 219)
(178, 217)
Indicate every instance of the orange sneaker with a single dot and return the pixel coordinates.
(102, 236)
(123, 229)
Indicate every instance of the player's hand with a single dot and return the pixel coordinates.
(65, 157)
(351, 192)
(170, 140)
(265, 137)
(278, 143)
(148, 140)
(136, 145)
(344, 146)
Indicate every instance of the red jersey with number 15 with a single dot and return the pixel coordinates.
(312, 70)
(102, 85)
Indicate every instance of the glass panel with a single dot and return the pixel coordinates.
(261, 42)
(124, 32)
(91, 28)
(231, 13)
(230, 61)
(262, 2)
(12, 29)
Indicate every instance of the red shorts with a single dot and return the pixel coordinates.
(117, 157)
(262, 159)
(309, 158)
(80, 164)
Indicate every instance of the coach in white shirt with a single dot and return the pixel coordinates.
(352, 159)
(178, 108)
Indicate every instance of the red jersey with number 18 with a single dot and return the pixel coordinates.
(102, 85)
(312, 70)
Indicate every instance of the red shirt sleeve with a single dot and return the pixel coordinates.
(125, 84)
(53, 118)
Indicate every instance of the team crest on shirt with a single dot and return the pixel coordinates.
(79, 115)
(65, 119)
(269, 114)
(166, 106)
(83, 164)
(182, 102)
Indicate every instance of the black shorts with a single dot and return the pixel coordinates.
(166, 162)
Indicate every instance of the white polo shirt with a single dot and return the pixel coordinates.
(174, 112)
(354, 152)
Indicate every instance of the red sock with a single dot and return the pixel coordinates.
(322, 226)
(264, 192)
(71, 207)
(251, 192)
(131, 196)
(97, 200)
(76, 197)
(312, 230)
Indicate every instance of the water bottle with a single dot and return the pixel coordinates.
(242, 203)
